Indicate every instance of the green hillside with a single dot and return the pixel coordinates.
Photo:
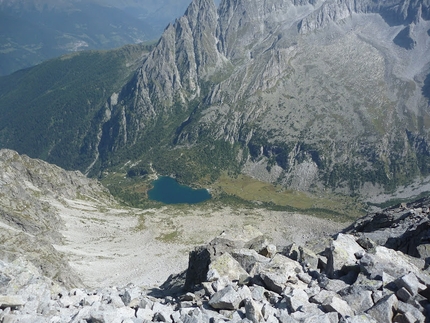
(47, 109)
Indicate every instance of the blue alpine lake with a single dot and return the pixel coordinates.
(169, 191)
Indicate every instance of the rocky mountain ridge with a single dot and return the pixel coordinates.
(244, 278)
(23, 177)
(394, 12)
(309, 94)
(29, 223)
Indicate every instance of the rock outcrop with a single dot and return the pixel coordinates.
(405, 227)
(243, 278)
(29, 224)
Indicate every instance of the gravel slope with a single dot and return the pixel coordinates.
(113, 247)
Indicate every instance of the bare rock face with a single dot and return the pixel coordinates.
(332, 11)
(227, 299)
(394, 12)
(185, 53)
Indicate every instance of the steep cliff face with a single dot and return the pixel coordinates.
(171, 75)
(315, 93)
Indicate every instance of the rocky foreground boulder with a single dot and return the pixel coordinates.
(374, 271)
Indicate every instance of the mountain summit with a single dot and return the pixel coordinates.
(308, 94)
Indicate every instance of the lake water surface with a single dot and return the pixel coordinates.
(169, 191)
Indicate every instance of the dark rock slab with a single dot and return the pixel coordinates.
(405, 38)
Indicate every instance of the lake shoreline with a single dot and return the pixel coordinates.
(167, 190)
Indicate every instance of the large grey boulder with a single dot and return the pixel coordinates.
(253, 311)
(248, 258)
(411, 283)
(162, 312)
(268, 250)
(322, 318)
(405, 318)
(279, 272)
(116, 300)
(89, 300)
(284, 317)
(333, 285)
(244, 292)
(13, 301)
(342, 256)
(383, 311)
(83, 314)
(403, 294)
(364, 281)
(106, 313)
(338, 305)
(145, 314)
(68, 301)
(194, 315)
(358, 298)
(307, 313)
(228, 266)
(322, 296)
(362, 318)
(415, 310)
(226, 299)
(203, 256)
(258, 293)
(267, 310)
(384, 260)
(297, 300)
(308, 258)
(305, 256)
